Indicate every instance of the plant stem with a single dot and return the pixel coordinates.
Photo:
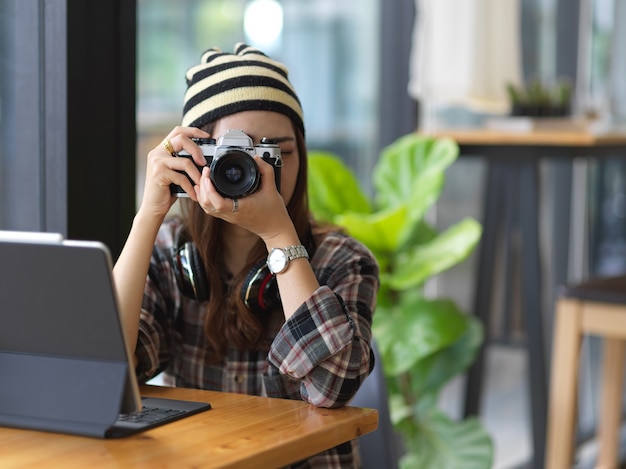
(404, 383)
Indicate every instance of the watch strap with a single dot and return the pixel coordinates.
(296, 252)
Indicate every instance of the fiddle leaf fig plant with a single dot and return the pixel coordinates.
(423, 342)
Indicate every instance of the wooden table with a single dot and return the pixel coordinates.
(239, 431)
(511, 207)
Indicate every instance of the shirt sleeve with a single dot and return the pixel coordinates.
(326, 343)
(156, 325)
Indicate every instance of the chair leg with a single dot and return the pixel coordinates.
(562, 409)
(610, 403)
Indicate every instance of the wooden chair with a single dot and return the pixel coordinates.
(596, 307)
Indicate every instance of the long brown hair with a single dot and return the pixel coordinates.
(227, 320)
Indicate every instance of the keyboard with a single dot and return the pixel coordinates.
(155, 412)
(150, 415)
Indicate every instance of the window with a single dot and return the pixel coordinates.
(606, 60)
(32, 116)
(329, 47)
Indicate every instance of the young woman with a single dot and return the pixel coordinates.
(247, 293)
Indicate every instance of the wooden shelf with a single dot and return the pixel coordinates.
(534, 138)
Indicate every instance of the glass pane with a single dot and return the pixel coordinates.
(607, 60)
(20, 100)
(7, 107)
(326, 44)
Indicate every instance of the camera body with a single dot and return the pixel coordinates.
(234, 172)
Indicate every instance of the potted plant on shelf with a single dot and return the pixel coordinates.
(423, 342)
(538, 100)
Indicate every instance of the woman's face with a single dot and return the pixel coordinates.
(274, 126)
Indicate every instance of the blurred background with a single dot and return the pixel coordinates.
(88, 88)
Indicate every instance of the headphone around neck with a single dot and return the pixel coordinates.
(259, 291)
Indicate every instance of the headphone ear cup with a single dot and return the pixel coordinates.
(259, 291)
(189, 272)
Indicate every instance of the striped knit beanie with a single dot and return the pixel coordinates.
(248, 80)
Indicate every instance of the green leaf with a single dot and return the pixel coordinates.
(411, 173)
(378, 231)
(333, 188)
(406, 414)
(429, 375)
(416, 328)
(420, 233)
(444, 443)
(413, 164)
(399, 410)
(415, 266)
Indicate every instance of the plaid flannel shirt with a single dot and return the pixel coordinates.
(320, 355)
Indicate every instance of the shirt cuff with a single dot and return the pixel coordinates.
(319, 329)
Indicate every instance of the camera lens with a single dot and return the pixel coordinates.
(235, 174)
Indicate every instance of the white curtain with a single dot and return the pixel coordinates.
(464, 53)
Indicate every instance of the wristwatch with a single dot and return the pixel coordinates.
(278, 258)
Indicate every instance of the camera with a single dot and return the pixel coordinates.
(234, 172)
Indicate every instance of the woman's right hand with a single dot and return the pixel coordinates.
(131, 267)
(162, 170)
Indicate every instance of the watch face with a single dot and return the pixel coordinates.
(277, 261)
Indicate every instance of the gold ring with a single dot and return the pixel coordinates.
(235, 205)
(168, 146)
